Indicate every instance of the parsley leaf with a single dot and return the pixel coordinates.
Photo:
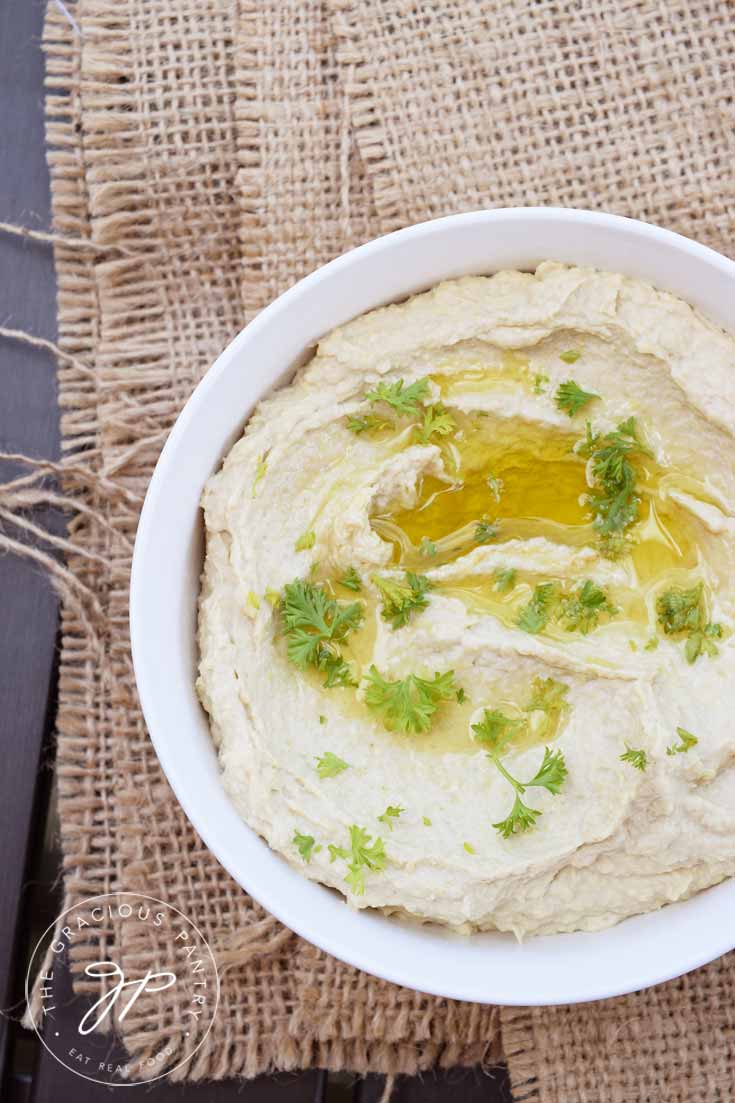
(461, 696)
(615, 501)
(469, 848)
(686, 742)
(682, 613)
(550, 775)
(391, 813)
(547, 695)
(400, 599)
(408, 704)
(361, 855)
(404, 400)
(305, 845)
(260, 470)
(351, 580)
(427, 548)
(582, 610)
(329, 765)
(314, 625)
(306, 540)
(535, 615)
(637, 758)
(571, 398)
(539, 383)
(357, 424)
(505, 579)
(485, 531)
(570, 356)
(437, 421)
(496, 730)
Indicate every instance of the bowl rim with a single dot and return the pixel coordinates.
(332, 942)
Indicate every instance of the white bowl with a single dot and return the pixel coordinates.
(489, 967)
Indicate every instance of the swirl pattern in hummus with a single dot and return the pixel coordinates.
(498, 501)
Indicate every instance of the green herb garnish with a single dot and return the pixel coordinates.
(426, 821)
(505, 579)
(683, 613)
(637, 758)
(329, 765)
(404, 400)
(570, 356)
(571, 398)
(362, 424)
(495, 486)
(615, 500)
(437, 421)
(305, 845)
(427, 548)
(408, 704)
(581, 611)
(314, 626)
(401, 599)
(351, 580)
(686, 742)
(260, 470)
(469, 848)
(391, 813)
(539, 383)
(494, 731)
(535, 615)
(485, 531)
(362, 855)
(306, 540)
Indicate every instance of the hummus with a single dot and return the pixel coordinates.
(466, 613)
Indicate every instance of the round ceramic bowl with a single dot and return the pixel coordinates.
(487, 967)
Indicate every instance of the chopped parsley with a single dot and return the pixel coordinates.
(408, 704)
(427, 548)
(361, 855)
(535, 615)
(391, 813)
(581, 611)
(615, 500)
(495, 731)
(636, 757)
(437, 421)
(539, 383)
(426, 821)
(260, 470)
(314, 626)
(469, 848)
(683, 613)
(571, 398)
(401, 599)
(305, 845)
(351, 580)
(272, 596)
(686, 742)
(357, 424)
(547, 695)
(404, 400)
(306, 540)
(485, 531)
(570, 356)
(329, 765)
(652, 644)
(461, 696)
(505, 579)
(322, 719)
(253, 599)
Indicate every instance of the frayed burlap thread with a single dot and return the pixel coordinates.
(165, 155)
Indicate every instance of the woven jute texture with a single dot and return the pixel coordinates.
(216, 151)
(207, 149)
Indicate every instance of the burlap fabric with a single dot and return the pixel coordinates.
(216, 151)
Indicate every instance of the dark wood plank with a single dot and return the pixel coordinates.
(443, 1086)
(28, 423)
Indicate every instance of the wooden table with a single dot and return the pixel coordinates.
(29, 860)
